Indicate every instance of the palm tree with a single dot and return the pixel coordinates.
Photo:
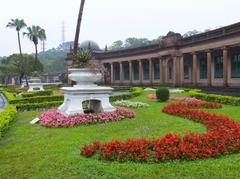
(75, 49)
(18, 24)
(34, 34)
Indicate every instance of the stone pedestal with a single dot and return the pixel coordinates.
(33, 86)
(74, 97)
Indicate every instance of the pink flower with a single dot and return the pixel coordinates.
(53, 118)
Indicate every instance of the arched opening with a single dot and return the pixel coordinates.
(92, 106)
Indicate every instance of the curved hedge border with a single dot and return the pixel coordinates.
(37, 99)
(9, 96)
(214, 97)
(38, 106)
(6, 116)
(37, 93)
(134, 92)
(223, 137)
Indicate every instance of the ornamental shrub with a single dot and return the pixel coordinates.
(6, 116)
(38, 106)
(235, 101)
(162, 94)
(37, 93)
(134, 92)
(37, 99)
(7, 94)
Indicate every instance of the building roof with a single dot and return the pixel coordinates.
(174, 40)
(90, 45)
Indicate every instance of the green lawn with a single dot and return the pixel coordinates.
(28, 151)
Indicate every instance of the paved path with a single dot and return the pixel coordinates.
(3, 101)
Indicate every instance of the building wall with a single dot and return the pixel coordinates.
(177, 57)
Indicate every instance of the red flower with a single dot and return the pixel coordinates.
(223, 137)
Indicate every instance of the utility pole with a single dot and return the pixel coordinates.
(63, 32)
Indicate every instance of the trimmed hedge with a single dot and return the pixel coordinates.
(235, 101)
(38, 106)
(6, 116)
(8, 95)
(134, 92)
(38, 93)
(37, 99)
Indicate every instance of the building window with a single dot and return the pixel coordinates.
(169, 72)
(126, 71)
(218, 67)
(117, 72)
(203, 68)
(135, 71)
(235, 66)
(146, 71)
(186, 72)
(156, 68)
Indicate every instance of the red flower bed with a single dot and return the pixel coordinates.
(223, 137)
(53, 118)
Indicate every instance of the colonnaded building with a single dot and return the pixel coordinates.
(207, 59)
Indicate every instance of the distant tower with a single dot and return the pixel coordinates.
(43, 45)
(63, 32)
(106, 48)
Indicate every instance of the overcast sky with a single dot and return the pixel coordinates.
(106, 21)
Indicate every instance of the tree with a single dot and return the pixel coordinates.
(65, 46)
(34, 34)
(18, 24)
(191, 33)
(79, 21)
(21, 65)
(117, 45)
(136, 42)
(157, 41)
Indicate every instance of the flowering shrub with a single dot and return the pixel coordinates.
(53, 118)
(176, 91)
(151, 96)
(130, 104)
(223, 137)
(181, 99)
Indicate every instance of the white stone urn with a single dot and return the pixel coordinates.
(84, 76)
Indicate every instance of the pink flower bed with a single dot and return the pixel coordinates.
(53, 118)
(190, 100)
(152, 96)
(180, 99)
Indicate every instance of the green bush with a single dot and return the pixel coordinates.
(37, 99)
(121, 87)
(37, 93)
(6, 116)
(53, 87)
(8, 95)
(134, 92)
(235, 101)
(162, 94)
(38, 106)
